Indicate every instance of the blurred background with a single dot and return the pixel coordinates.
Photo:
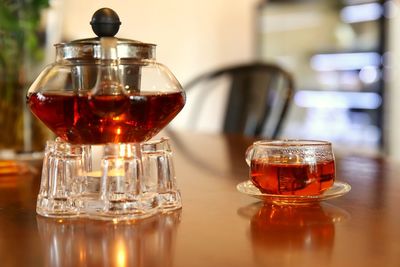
(342, 54)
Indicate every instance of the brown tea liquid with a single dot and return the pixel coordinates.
(102, 119)
(293, 178)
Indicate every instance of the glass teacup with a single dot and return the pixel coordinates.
(291, 167)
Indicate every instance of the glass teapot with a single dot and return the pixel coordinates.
(105, 89)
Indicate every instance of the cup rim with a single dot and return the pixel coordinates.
(293, 143)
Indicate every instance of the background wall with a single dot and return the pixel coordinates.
(392, 98)
(191, 36)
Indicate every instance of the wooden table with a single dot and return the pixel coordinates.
(218, 226)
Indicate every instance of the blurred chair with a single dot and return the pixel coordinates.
(247, 99)
(256, 99)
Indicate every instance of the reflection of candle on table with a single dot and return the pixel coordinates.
(148, 242)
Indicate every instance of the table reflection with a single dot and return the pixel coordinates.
(287, 235)
(80, 242)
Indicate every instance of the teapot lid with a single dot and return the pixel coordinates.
(105, 23)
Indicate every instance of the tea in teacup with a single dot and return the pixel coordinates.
(291, 167)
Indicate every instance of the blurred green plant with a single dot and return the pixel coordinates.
(20, 50)
(19, 39)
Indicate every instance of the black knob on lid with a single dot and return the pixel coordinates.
(105, 22)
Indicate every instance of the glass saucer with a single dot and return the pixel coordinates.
(338, 189)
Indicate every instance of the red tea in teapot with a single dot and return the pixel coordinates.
(134, 117)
